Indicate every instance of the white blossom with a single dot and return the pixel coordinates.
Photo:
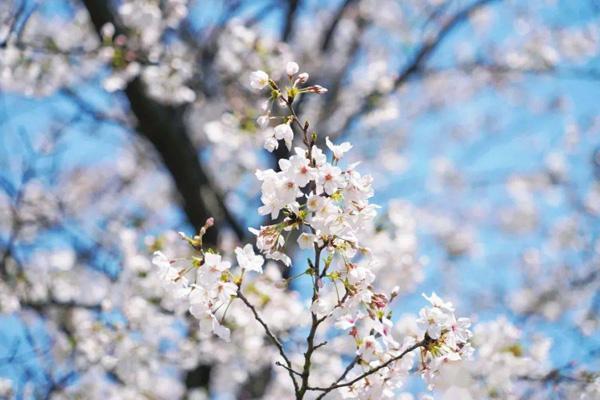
(292, 68)
(249, 260)
(338, 150)
(284, 132)
(259, 79)
(306, 240)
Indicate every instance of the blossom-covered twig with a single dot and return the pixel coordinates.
(327, 204)
(368, 373)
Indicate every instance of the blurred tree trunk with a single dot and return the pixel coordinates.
(164, 127)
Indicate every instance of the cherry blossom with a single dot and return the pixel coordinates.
(90, 313)
(338, 150)
(249, 260)
(292, 68)
(329, 215)
(259, 80)
(306, 240)
(284, 132)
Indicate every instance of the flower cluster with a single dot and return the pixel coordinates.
(325, 205)
(446, 337)
(284, 97)
(101, 327)
(498, 367)
(315, 194)
(214, 284)
(329, 202)
(140, 48)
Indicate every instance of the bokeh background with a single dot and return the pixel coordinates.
(477, 119)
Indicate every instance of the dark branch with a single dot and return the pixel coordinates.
(271, 336)
(290, 18)
(369, 372)
(164, 127)
(504, 69)
(433, 42)
(335, 20)
(417, 63)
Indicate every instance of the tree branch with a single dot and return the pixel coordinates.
(310, 339)
(504, 69)
(271, 336)
(368, 373)
(427, 48)
(288, 25)
(335, 20)
(164, 127)
(436, 40)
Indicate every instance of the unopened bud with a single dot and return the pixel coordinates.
(379, 300)
(120, 40)
(395, 292)
(318, 89)
(108, 31)
(265, 105)
(292, 68)
(302, 78)
(130, 56)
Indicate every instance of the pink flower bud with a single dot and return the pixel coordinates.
(379, 300)
(120, 40)
(318, 89)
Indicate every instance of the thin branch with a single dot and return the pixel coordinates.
(310, 339)
(40, 306)
(369, 372)
(90, 109)
(270, 334)
(290, 18)
(343, 376)
(335, 20)
(426, 49)
(321, 345)
(348, 369)
(335, 86)
(432, 43)
(288, 368)
(503, 69)
(12, 24)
